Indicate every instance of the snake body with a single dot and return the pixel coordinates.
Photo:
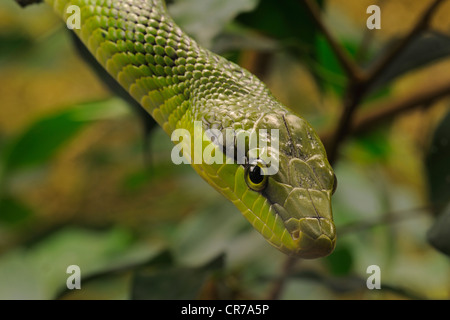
(178, 82)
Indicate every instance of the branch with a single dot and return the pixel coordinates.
(278, 283)
(358, 87)
(359, 84)
(421, 25)
(387, 219)
(354, 284)
(384, 111)
(349, 66)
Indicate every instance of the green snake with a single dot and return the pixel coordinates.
(178, 83)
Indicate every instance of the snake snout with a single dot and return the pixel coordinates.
(316, 237)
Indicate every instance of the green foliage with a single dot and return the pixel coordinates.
(428, 47)
(43, 138)
(170, 282)
(328, 67)
(438, 234)
(287, 21)
(166, 234)
(437, 164)
(438, 174)
(13, 211)
(11, 44)
(341, 262)
(204, 20)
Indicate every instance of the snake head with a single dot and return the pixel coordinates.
(299, 194)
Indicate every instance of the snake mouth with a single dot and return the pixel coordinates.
(312, 237)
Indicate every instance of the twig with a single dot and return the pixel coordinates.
(354, 95)
(349, 66)
(381, 112)
(278, 284)
(358, 87)
(359, 84)
(385, 111)
(389, 218)
(421, 25)
(352, 283)
(366, 41)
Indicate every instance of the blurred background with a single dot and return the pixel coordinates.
(84, 182)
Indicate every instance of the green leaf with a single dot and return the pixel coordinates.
(439, 235)
(437, 163)
(284, 20)
(39, 271)
(204, 20)
(329, 68)
(423, 50)
(12, 44)
(209, 232)
(289, 23)
(13, 211)
(373, 147)
(438, 174)
(44, 137)
(174, 282)
(340, 262)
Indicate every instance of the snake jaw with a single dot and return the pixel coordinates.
(311, 236)
(315, 238)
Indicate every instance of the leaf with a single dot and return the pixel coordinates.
(174, 282)
(13, 211)
(329, 68)
(39, 271)
(438, 174)
(286, 21)
(204, 20)
(439, 235)
(12, 44)
(43, 138)
(340, 262)
(209, 232)
(372, 147)
(424, 49)
(437, 164)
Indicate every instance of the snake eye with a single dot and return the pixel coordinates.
(255, 176)
(334, 184)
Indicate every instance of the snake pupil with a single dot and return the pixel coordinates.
(256, 175)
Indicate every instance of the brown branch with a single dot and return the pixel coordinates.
(377, 115)
(349, 66)
(366, 41)
(381, 112)
(355, 93)
(278, 284)
(358, 87)
(421, 25)
(387, 219)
